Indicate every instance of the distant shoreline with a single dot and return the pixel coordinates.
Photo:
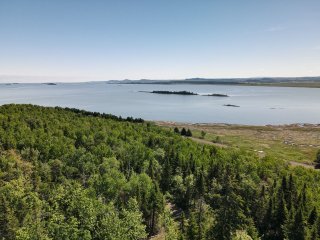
(308, 82)
(284, 84)
(302, 82)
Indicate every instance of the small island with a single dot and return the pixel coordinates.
(172, 92)
(230, 105)
(185, 93)
(50, 84)
(216, 95)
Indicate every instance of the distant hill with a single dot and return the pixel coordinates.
(264, 81)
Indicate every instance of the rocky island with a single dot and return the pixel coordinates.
(172, 92)
(216, 95)
(230, 105)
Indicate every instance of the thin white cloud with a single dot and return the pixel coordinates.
(275, 29)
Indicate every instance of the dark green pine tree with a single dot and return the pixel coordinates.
(304, 196)
(267, 226)
(166, 175)
(313, 216)
(298, 231)
(156, 203)
(284, 185)
(292, 191)
(260, 208)
(315, 231)
(230, 214)
(281, 217)
(189, 133)
(183, 132)
(200, 183)
(176, 130)
(318, 157)
(151, 169)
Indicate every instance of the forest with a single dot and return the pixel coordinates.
(72, 174)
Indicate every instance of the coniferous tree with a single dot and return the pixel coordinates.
(189, 133)
(298, 229)
(313, 216)
(268, 222)
(229, 215)
(183, 132)
(292, 196)
(281, 217)
(156, 203)
(166, 177)
(318, 157)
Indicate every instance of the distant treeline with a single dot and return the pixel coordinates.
(102, 115)
(273, 81)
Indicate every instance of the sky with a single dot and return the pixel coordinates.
(78, 40)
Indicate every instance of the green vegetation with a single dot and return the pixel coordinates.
(71, 174)
(318, 157)
(292, 143)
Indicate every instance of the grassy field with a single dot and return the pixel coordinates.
(292, 143)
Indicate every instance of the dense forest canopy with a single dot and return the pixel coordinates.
(72, 174)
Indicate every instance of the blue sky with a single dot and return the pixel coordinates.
(167, 39)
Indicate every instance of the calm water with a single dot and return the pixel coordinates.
(258, 105)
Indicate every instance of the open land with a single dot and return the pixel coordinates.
(297, 144)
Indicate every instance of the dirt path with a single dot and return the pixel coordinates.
(175, 214)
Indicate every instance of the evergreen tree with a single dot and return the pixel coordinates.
(156, 203)
(318, 157)
(280, 217)
(166, 177)
(268, 223)
(292, 193)
(229, 215)
(298, 229)
(183, 132)
(313, 216)
(189, 133)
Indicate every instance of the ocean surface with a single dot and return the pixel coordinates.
(257, 105)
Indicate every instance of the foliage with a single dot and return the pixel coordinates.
(72, 174)
(318, 157)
